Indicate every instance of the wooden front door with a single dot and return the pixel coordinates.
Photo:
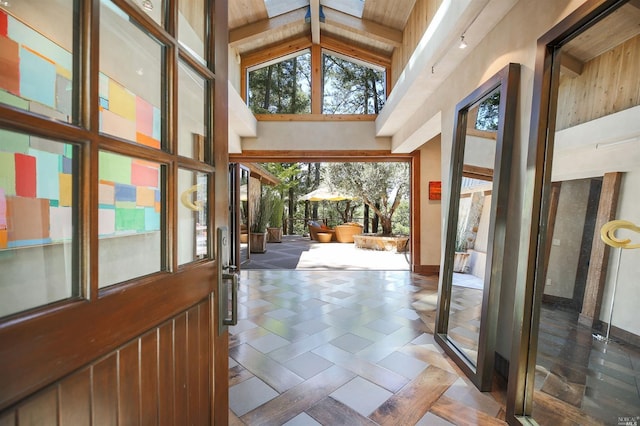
(113, 182)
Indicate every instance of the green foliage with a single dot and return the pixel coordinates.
(401, 217)
(381, 186)
(275, 221)
(264, 210)
(489, 113)
(282, 88)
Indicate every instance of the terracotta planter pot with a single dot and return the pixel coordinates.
(258, 242)
(324, 237)
(274, 235)
(345, 233)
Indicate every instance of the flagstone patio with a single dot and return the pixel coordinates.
(299, 252)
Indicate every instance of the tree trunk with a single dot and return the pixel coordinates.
(294, 86)
(385, 222)
(366, 219)
(316, 184)
(267, 89)
(376, 219)
(292, 210)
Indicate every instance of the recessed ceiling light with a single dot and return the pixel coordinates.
(147, 5)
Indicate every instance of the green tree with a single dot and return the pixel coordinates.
(281, 88)
(381, 186)
(288, 174)
(489, 113)
(351, 88)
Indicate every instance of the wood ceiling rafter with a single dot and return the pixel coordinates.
(333, 20)
(300, 43)
(348, 49)
(260, 29)
(362, 27)
(267, 54)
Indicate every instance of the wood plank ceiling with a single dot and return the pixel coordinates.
(258, 24)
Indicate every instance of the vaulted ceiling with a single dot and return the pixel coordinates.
(373, 25)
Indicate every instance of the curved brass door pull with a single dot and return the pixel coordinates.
(185, 198)
(607, 233)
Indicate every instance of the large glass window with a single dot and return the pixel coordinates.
(130, 214)
(131, 75)
(191, 113)
(191, 27)
(351, 87)
(37, 221)
(192, 216)
(36, 65)
(283, 87)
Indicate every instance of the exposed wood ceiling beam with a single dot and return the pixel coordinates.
(333, 19)
(363, 27)
(571, 65)
(259, 29)
(315, 21)
(349, 49)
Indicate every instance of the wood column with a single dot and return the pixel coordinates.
(599, 262)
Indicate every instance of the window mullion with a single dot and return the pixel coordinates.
(316, 79)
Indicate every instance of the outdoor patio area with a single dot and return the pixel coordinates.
(299, 252)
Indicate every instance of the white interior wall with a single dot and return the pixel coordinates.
(479, 152)
(625, 311)
(314, 135)
(234, 69)
(430, 210)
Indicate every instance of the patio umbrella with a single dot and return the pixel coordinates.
(324, 193)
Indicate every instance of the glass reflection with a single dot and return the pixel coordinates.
(192, 26)
(38, 221)
(130, 213)
(36, 72)
(130, 80)
(244, 214)
(192, 216)
(191, 113)
(583, 366)
(472, 231)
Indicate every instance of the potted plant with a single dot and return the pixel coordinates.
(258, 235)
(274, 230)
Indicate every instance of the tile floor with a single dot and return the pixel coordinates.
(346, 348)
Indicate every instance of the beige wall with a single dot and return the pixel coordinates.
(430, 210)
(309, 135)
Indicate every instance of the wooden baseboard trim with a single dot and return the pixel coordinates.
(557, 300)
(617, 333)
(427, 269)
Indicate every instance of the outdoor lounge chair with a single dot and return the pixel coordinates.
(315, 227)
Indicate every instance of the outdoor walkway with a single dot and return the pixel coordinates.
(298, 252)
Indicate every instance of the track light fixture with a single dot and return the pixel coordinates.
(463, 44)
